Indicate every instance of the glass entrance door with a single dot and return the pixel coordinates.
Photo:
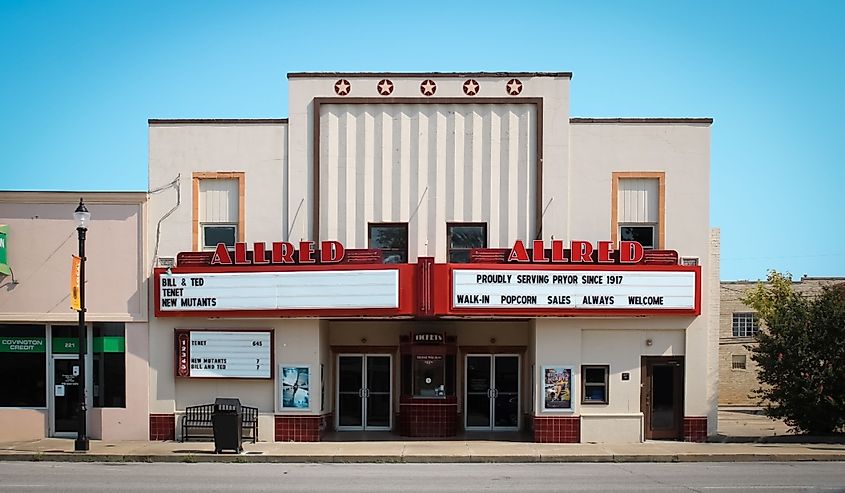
(65, 395)
(364, 399)
(492, 392)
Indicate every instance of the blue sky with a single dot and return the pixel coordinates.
(80, 80)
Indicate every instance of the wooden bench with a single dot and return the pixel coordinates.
(196, 423)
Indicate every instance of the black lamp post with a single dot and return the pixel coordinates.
(82, 216)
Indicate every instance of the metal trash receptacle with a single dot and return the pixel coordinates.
(227, 424)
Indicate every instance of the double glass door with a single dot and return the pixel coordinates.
(364, 392)
(492, 392)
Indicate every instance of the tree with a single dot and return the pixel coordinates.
(801, 354)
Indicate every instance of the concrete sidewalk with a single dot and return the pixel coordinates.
(57, 449)
(744, 436)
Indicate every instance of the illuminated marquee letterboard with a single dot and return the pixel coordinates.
(298, 290)
(574, 289)
(224, 354)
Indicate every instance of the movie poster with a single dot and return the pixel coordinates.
(557, 388)
(295, 387)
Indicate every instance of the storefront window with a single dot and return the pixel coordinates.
(23, 353)
(109, 364)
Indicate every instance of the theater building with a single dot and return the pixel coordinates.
(435, 255)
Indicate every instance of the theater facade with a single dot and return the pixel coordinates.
(434, 255)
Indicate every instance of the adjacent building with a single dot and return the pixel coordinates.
(738, 324)
(39, 362)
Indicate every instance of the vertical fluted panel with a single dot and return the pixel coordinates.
(427, 164)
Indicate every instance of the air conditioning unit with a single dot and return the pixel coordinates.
(688, 261)
(166, 262)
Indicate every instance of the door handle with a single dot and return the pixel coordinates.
(360, 392)
(366, 393)
(495, 393)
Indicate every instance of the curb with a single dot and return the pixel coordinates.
(418, 459)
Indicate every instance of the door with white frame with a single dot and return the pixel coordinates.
(491, 392)
(364, 392)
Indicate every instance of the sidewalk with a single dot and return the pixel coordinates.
(763, 441)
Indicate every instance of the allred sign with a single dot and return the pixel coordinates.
(630, 252)
(280, 252)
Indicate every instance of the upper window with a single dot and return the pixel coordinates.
(638, 208)
(594, 384)
(218, 209)
(391, 239)
(23, 364)
(745, 324)
(641, 233)
(462, 238)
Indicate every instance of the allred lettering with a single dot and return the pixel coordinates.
(331, 252)
(582, 251)
(630, 252)
(605, 249)
(306, 252)
(221, 255)
(259, 255)
(240, 254)
(538, 252)
(282, 252)
(518, 252)
(557, 251)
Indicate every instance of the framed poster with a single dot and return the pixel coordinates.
(557, 388)
(294, 390)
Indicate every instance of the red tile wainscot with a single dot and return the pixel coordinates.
(557, 429)
(695, 428)
(162, 427)
(428, 418)
(299, 428)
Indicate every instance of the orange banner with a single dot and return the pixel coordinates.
(75, 302)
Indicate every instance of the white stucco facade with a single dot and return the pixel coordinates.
(508, 157)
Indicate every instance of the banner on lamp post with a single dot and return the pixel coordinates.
(75, 302)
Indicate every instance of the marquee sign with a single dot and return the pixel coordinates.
(285, 290)
(571, 290)
(224, 354)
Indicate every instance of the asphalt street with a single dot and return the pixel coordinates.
(206, 478)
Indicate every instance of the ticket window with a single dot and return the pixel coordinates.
(428, 368)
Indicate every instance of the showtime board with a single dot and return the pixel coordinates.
(293, 290)
(608, 290)
(224, 354)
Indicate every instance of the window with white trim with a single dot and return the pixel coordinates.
(218, 212)
(745, 324)
(638, 210)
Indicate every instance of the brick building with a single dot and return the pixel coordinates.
(737, 326)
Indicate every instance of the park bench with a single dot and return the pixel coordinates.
(196, 423)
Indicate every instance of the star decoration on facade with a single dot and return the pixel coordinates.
(342, 87)
(514, 87)
(428, 87)
(385, 87)
(471, 87)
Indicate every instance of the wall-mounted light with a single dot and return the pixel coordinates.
(492, 340)
(363, 340)
(649, 342)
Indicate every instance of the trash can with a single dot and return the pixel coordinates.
(227, 423)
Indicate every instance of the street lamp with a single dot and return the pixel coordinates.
(82, 217)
